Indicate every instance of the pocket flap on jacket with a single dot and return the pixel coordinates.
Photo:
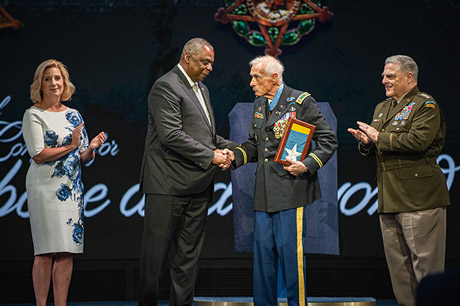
(415, 172)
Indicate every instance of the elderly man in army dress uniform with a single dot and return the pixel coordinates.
(406, 135)
(281, 192)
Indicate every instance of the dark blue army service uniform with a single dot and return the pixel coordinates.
(279, 197)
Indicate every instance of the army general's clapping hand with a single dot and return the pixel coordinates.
(371, 132)
(365, 134)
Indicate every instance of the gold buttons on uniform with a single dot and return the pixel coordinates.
(266, 149)
(266, 160)
(416, 174)
(266, 139)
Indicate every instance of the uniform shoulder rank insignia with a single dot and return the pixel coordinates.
(430, 103)
(422, 94)
(302, 97)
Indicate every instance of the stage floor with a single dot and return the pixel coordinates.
(160, 303)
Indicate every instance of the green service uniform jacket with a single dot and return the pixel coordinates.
(275, 188)
(411, 137)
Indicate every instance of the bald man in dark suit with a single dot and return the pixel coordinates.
(182, 153)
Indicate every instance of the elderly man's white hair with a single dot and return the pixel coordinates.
(272, 65)
(407, 64)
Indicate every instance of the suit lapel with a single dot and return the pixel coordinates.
(391, 112)
(191, 94)
(207, 101)
(383, 115)
(261, 106)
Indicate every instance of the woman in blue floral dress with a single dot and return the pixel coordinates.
(57, 141)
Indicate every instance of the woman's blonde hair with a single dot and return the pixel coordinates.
(36, 94)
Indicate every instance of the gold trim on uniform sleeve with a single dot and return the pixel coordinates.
(302, 97)
(245, 156)
(320, 163)
(300, 268)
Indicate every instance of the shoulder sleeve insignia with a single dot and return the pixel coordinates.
(302, 97)
(430, 103)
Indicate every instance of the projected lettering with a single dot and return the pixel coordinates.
(11, 139)
(219, 207)
(10, 132)
(352, 198)
(13, 203)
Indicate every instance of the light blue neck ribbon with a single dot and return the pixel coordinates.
(272, 104)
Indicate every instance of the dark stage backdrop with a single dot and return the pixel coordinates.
(116, 49)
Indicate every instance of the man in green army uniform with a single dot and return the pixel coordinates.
(406, 135)
(281, 192)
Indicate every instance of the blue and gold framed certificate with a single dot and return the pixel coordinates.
(295, 141)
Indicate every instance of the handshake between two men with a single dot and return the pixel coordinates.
(223, 158)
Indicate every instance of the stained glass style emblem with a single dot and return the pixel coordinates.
(273, 23)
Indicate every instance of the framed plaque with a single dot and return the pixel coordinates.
(295, 141)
